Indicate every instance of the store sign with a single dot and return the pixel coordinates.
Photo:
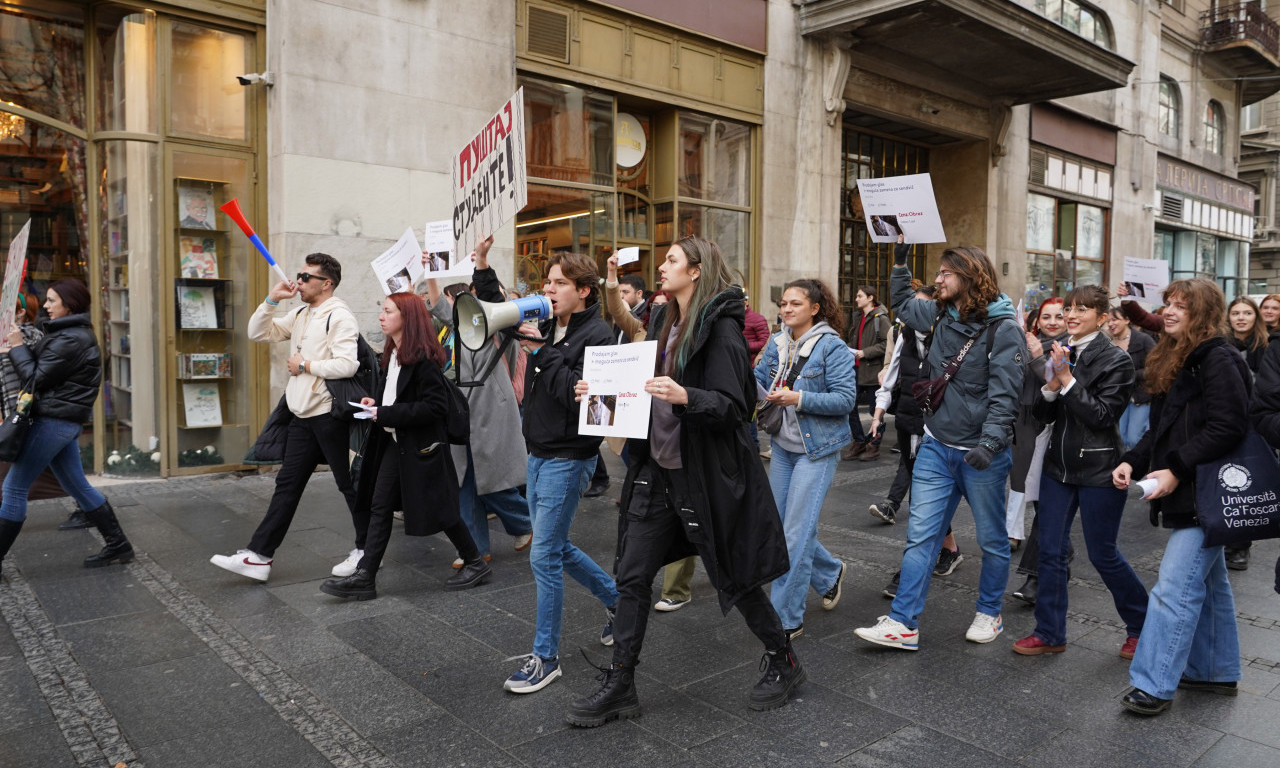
(490, 184)
(629, 141)
(1203, 184)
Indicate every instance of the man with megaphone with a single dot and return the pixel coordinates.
(492, 467)
(560, 460)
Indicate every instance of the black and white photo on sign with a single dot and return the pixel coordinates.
(195, 206)
(400, 266)
(442, 260)
(901, 205)
(616, 404)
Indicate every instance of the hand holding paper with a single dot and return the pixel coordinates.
(366, 411)
(628, 255)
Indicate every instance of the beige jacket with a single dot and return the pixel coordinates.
(331, 354)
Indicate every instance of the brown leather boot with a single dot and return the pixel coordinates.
(871, 453)
(853, 451)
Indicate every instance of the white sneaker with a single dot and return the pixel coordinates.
(347, 567)
(892, 633)
(984, 628)
(245, 563)
(667, 605)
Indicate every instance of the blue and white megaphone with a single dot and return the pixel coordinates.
(478, 320)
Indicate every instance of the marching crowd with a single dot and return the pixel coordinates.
(1063, 410)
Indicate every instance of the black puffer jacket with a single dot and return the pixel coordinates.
(1190, 426)
(67, 365)
(550, 411)
(742, 546)
(1085, 445)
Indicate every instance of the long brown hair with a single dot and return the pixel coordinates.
(1206, 318)
(1257, 336)
(417, 333)
(817, 292)
(714, 277)
(979, 285)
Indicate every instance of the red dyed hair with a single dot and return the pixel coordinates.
(1034, 326)
(417, 334)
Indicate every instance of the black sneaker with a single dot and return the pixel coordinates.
(1027, 592)
(947, 562)
(782, 673)
(615, 699)
(1238, 559)
(891, 591)
(886, 511)
(792, 634)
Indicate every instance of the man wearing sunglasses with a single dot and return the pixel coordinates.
(322, 336)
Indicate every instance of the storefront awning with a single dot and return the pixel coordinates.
(990, 49)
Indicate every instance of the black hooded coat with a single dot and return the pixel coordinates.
(743, 546)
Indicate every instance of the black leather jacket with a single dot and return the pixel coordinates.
(67, 365)
(1085, 445)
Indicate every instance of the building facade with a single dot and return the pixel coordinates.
(1061, 136)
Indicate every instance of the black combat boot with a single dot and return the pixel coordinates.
(117, 549)
(362, 585)
(8, 533)
(782, 673)
(616, 699)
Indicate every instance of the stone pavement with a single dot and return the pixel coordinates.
(170, 661)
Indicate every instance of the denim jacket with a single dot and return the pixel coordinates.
(829, 386)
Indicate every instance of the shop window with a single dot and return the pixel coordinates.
(1086, 21)
(1066, 247)
(126, 70)
(569, 133)
(1213, 127)
(714, 185)
(1200, 254)
(1169, 111)
(42, 64)
(204, 99)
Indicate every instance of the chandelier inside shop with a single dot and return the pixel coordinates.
(12, 126)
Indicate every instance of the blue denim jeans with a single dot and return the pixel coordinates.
(799, 487)
(51, 443)
(1133, 423)
(510, 507)
(1100, 513)
(555, 486)
(941, 477)
(1191, 620)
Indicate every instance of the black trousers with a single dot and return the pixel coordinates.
(906, 463)
(386, 499)
(601, 474)
(312, 442)
(652, 528)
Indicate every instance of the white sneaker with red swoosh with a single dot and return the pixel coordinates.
(892, 633)
(245, 563)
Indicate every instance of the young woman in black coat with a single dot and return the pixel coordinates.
(1248, 331)
(696, 485)
(64, 369)
(1199, 413)
(407, 463)
(1082, 394)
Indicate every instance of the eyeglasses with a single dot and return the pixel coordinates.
(306, 276)
(945, 273)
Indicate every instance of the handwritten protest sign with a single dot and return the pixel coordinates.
(901, 205)
(489, 181)
(616, 403)
(13, 277)
(400, 266)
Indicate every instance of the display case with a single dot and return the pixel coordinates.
(211, 414)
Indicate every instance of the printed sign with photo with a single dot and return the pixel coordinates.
(616, 404)
(901, 205)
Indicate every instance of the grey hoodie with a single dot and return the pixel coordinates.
(789, 436)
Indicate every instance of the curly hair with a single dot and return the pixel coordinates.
(1206, 318)
(979, 285)
(818, 292)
